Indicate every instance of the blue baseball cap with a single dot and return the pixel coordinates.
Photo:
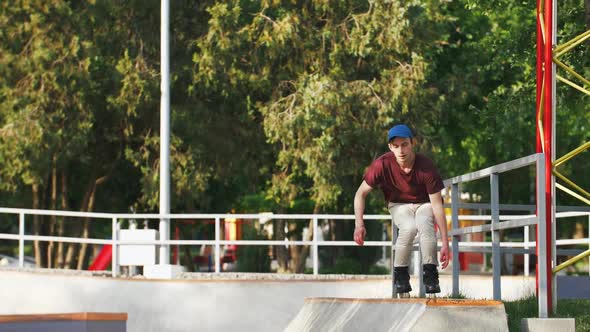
(400, 130)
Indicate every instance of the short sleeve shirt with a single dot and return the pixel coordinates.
(401, 187)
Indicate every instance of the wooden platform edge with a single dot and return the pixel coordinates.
(75, 316)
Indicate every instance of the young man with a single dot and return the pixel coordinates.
(412, 188)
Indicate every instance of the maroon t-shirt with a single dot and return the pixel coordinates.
(401, 187)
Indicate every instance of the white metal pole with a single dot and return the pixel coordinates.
(164, 131)
(421, 288)
(316, 263)
(455, 239)
(553, 153)
(496, 251)
(541, 238)
(416, 261)
(384, 238)
(526, 256)
(115, 248)
(393, 240)
(217, 245)
(21, 240)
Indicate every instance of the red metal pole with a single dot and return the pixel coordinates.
(544, 99)
(540, 60)
(548, 133)
(537, 115)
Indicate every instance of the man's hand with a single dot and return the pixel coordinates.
(439, 215)
(359, 207)
(359, 235)
(444, 256)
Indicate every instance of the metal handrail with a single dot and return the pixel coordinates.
(488, 227)
(539, 220)
(571, 261)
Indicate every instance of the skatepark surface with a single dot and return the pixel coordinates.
(217, 302)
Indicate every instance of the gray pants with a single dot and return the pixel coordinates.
(412, 219)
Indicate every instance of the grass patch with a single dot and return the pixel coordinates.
(459, 296)
(527, 308)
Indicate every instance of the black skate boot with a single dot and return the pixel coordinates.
(430, 278)
(402, 281)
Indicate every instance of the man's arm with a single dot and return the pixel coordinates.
(359, 209)
(441, 220)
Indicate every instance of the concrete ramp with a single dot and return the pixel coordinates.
(412, 315)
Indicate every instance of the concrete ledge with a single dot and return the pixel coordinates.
(162, 271)
(548, 325)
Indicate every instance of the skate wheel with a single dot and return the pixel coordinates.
(403, 295)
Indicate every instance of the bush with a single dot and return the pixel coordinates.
(252, 258)
(376, 269)
(343, 266)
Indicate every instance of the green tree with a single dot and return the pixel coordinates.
(485, 79)
(43, 105)
(69, 99)
(327, 78)
(78, 112)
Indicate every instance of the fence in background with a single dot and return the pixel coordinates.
(498, 222)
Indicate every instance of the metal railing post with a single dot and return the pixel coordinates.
(422, 289)
(455, 239)
(526, 256)
(416, 261)
(393, 240)
(543, 296)
(496, 253)
(21, 240)
(217, 245)
(383, 238)
(115, 247)
(315, 246)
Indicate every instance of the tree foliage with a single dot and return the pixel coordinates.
(327, 78)
(276, 104)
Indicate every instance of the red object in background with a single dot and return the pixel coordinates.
(468, 258)
(233, 231)
(175, 248)
(463, 264)
(103, 259)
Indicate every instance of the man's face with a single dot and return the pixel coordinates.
(402, 147)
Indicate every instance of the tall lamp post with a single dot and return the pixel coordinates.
(164, 130)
